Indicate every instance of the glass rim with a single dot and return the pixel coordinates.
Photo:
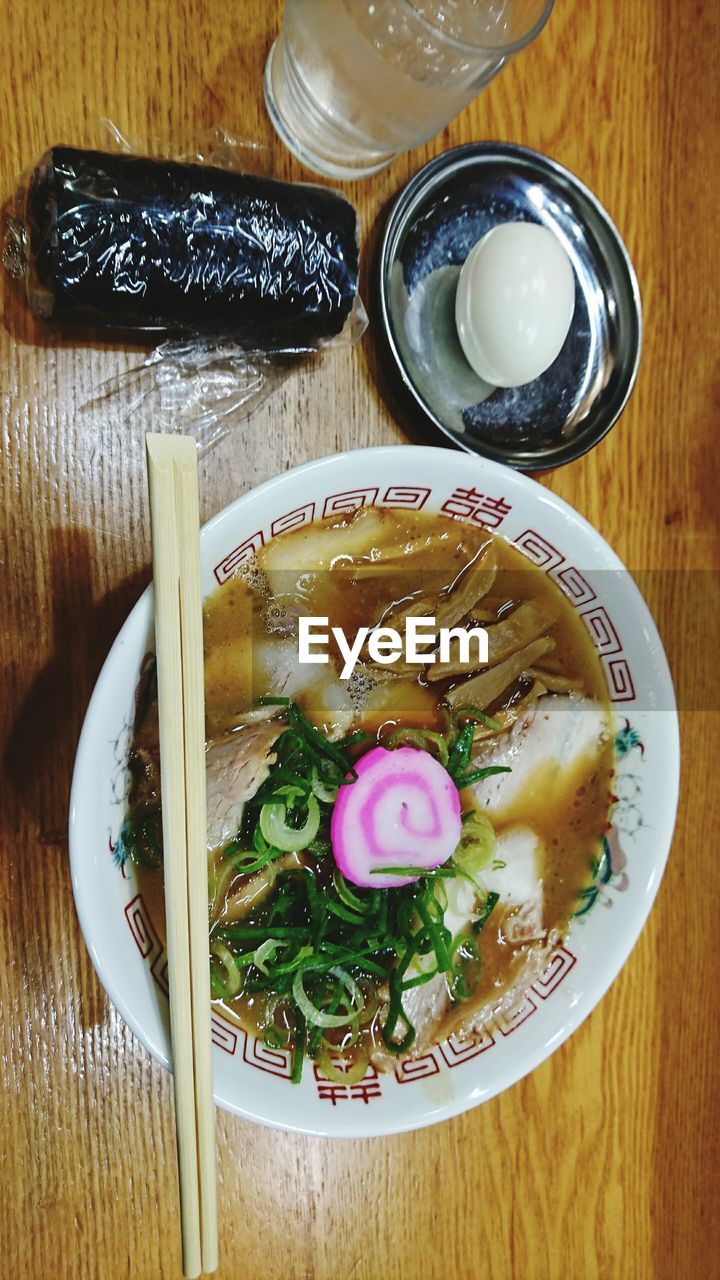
(500, 51)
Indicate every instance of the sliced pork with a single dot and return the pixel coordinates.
(557, 736)
(516, 876)
(235, 768)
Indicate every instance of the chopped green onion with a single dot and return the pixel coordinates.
(346, 895)
(273, 1038)
(217, 988)
(320, 946)
(420, 738)
(324, 791)
(344, 913)
(477, 843)
(420, 980)
(396, 1013)
(226, 959)
(141, 836)
(401, 870)
(291, 782)
(490, 904)
(315, 739)
(438, 935)
(247, 864)
(218, 883)
(359, 736)
(297, 962)
(316, 1016)
(249, 932)
(477, 775)
(317, 1035)
(360, 959)
(464, 943)
(460, 989)
(277, 832)
(298, 1053)
(267, 950)
(480, 717)
(351, 1075)
(460, 751)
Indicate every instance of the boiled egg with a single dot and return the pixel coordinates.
(514, 303)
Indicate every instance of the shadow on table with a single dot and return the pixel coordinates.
(39, 752)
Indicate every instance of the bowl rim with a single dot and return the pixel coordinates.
(87, 912)
(423, 182)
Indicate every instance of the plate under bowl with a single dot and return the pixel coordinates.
(442, 212)
(118, 923)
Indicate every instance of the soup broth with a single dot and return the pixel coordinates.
(544, 816)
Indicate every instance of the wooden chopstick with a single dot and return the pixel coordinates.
(172, 472)
(191, 632)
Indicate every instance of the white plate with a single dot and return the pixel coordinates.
(251, 1080)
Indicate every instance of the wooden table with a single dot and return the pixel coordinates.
(604, 1162)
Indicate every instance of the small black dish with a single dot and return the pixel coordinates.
(442, 212)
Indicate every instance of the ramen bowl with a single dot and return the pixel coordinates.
(123, 938)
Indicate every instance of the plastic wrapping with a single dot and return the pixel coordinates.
(239, 273)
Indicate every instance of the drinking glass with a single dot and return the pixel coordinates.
(350, 83)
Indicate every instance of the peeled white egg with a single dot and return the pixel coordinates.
(514, 303)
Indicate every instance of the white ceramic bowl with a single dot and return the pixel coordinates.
(251, 1080)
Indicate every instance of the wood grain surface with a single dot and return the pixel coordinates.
(604, 1162)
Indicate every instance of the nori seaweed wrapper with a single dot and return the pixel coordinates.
(133, 243)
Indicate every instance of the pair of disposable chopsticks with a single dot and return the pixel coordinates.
(172, 473)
